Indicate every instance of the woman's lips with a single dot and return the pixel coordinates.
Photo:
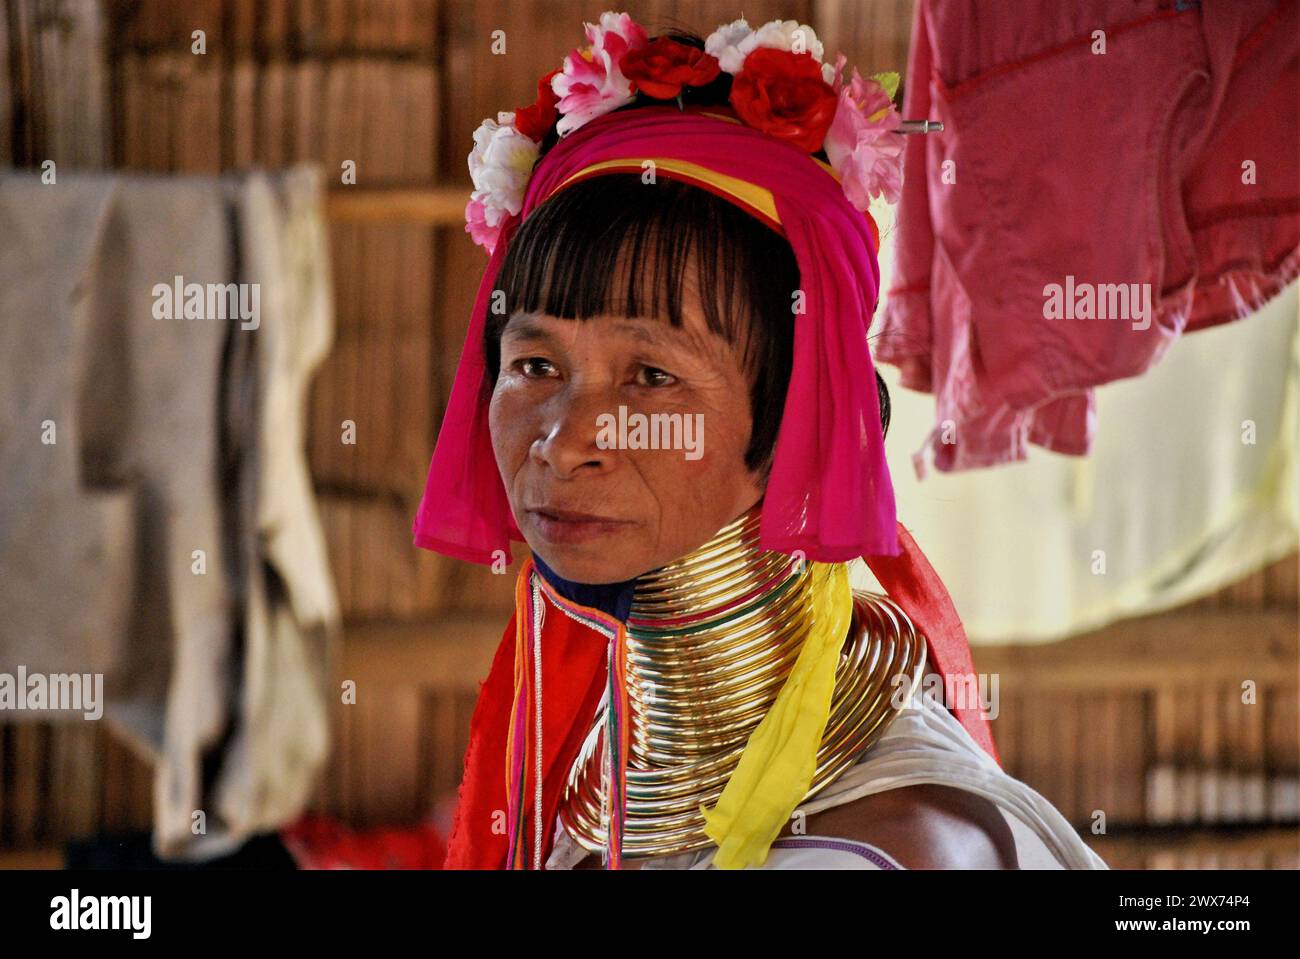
(563, 527)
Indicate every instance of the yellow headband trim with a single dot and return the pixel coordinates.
(752, 196)
(748, 194)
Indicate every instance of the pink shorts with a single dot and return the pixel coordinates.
(1168, 163)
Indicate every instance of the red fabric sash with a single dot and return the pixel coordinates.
(911, 582)
(574, 663)
(573, 679)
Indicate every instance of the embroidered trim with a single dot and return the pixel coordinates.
(867, 851)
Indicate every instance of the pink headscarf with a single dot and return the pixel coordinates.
(829, 493)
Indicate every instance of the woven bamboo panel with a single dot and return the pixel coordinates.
(316, 28)
(69, 781)
(377, 573)
(873, 36)
(383, 376)
(53, 84)
(399, 745)
(182, 113)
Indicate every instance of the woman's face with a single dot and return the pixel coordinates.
(564, 447)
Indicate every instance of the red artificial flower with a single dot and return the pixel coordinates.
(535, 121)
(663, 66)
(783, 94)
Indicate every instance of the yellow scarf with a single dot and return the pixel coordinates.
(780, 758)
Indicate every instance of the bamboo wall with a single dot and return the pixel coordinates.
(1130, 720)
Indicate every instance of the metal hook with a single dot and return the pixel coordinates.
(919, 126)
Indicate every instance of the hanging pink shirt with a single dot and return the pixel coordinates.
(1070, 187)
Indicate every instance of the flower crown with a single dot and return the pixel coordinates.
(779, 86)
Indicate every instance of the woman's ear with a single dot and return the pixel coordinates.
(758, 478)
(883, 392)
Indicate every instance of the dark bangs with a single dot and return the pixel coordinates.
(617, 246)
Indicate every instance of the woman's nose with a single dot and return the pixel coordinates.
(570, 427)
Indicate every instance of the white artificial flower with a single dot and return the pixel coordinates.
(724, 44)
(500, 165)
(785, 34)
(735, 41)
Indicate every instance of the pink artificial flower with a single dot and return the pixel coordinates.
(477, 226)
(860, 143)
(591, 83)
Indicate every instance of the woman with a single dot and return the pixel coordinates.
(666, 392)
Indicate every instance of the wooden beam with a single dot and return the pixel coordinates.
(437, 206)
(453, 651)
(1205, 646)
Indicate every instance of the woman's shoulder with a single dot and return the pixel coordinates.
(923, 826)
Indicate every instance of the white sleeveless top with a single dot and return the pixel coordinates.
(924, 744)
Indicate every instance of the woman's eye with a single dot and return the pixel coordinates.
(534, 367)
(656, 377)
